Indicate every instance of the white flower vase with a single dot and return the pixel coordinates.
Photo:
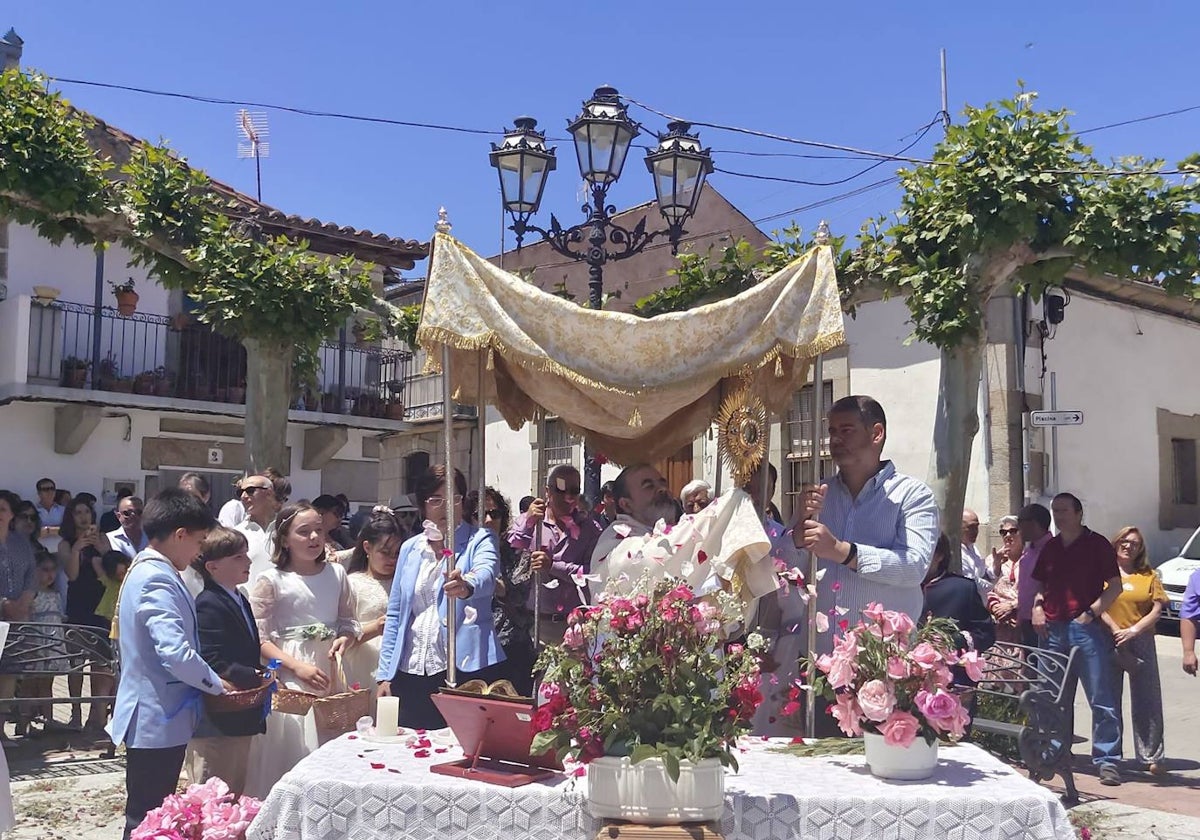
(886, 761)
(644, 793)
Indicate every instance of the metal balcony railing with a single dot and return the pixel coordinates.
(177, 357)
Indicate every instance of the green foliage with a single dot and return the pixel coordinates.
(647, 676)
(705, 278)
(1013, 198)
(246, 285)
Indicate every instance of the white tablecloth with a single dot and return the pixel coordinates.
(337, 793)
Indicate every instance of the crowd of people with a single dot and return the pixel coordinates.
(200, 602)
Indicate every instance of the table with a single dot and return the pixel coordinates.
(337, 792)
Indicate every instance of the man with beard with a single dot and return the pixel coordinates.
(877, 527)
(642, 498)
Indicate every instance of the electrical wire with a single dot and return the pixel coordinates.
(1135, 120)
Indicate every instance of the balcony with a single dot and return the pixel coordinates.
(176, 358)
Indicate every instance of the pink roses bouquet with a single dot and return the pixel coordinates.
(646, 675)
(889, 677)
(202, 812)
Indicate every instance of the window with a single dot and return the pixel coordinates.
(799, 445)
(1183, 461)
(415, 465)
(559, 447)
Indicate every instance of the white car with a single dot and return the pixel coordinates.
(1175, 573)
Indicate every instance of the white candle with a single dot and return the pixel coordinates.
(387, 716)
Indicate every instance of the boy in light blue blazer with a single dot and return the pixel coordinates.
(162, 672)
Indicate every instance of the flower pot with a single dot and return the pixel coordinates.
(127, 302)
(644, 793)
(162, 388)
(885, 761)
(74, 377)
(395, 411)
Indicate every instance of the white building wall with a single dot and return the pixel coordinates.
(34, 261)
(905, 379)
(1118, 365)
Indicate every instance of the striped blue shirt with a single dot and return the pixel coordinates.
(894, 523)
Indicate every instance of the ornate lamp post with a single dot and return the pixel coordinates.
(603, 133)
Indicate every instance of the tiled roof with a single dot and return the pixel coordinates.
(325, 237)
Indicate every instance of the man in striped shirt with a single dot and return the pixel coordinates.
(877, 527)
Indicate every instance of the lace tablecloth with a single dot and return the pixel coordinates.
(353, 789)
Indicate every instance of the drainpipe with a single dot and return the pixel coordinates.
(1020, 307)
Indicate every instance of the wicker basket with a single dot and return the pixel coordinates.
(289, 701)
(238, 701)
(338, 713)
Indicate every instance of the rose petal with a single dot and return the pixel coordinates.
(421, 754)
(551, 584)
(469, 615)
(621, 529)
(376, 765)
(820, 574)
(822, 623)
(579, 771)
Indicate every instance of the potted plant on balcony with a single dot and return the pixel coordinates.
(164, 382)
(143, 383)
(127, 298)
(646, 692)
(108, 372)
(75, 371)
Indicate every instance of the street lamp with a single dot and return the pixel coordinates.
(603, 133)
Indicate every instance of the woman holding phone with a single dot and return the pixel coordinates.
(82, 541)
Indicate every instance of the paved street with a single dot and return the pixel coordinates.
(53, 803)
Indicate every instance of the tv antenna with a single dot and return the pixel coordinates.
(252, 141)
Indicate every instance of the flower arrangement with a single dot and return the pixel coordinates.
(119, 286)
(889, 677)
(202, 812)
(648, 675)
(314, 632)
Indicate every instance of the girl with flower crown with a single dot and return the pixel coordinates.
(304, 608)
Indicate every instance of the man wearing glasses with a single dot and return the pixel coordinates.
(128, 537)
(261, 498)
(50, 513)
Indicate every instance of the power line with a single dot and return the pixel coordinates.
(307, 112)
(1148, 118)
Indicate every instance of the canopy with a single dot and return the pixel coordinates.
(637, 388)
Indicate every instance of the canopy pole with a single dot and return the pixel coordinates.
(481, 412)
(451, 518)
(814, 473)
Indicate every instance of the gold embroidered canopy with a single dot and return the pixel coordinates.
(637, 388)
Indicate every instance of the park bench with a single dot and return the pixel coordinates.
(60, 650)
(1043, 685)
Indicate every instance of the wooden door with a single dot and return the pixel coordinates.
(677, 469)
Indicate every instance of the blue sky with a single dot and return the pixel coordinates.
(863, 74)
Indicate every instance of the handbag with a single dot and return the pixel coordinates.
(338, 714)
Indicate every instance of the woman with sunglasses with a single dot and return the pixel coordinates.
(510, 611)
(413, 657)
(1132, 619)
(1005, 567)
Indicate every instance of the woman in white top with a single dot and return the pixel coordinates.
(305, 614)
(372, 565)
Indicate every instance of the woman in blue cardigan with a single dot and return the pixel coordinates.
(412, 659)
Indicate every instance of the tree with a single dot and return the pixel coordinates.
(1010, 201)
(271, 293)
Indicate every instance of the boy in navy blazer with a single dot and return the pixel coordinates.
(162, 672)
(229, 643)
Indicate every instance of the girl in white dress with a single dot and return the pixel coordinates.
(372, 565)
(305, 614)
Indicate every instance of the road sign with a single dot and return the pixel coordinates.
(1056, 418)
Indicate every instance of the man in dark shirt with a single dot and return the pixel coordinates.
(1076, 580)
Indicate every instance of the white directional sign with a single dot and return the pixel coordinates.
(1056, 418)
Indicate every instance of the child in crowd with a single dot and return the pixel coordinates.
(48, 606)
(111, 569)
(162, 672)
(229, 643)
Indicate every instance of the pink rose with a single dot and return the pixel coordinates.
(877, 700)
(847, 714)
(897, 668)
(841, 672)
(897, 623)
(900, 729)
(944, 712)
(873, 612)
(972, 664)
(573, 638)
(926, 656)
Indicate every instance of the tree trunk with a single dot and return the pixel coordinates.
(954, 429)
(268, 391)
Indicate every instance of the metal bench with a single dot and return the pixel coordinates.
(1043, 683)
(59, 650)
